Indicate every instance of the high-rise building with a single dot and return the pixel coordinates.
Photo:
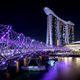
(59, 32)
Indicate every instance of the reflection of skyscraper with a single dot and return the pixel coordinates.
(59, 32)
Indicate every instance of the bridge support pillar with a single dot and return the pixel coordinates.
(17, 66)
(25, 61)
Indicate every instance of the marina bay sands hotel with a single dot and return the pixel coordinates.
(59, 31)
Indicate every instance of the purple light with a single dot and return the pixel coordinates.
(13, 43)
(15, 61)
(51, 74)
(21, 56)
(3, 62)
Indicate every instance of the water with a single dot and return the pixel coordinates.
(66, 68)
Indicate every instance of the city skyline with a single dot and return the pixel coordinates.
(31, 20)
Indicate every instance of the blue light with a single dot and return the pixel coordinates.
(51, 62)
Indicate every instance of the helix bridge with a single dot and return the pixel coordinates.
(15, 46)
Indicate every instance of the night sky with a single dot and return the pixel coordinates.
(30, 19)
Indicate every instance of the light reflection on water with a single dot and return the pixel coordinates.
(67, 68)
(77, 60)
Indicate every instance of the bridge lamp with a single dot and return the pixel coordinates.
(40, 42)
(8, 53)
(21, 56)
(3, 62)
(2, 37)
(15, 61)
(18, 37)
(32, 40)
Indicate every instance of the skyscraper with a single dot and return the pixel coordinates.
(59, 32)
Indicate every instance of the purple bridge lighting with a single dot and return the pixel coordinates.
(13, 44)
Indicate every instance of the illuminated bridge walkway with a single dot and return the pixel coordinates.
(15, 46)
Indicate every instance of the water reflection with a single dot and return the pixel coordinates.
(66, 68)
(51, 74)
(77, 60)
